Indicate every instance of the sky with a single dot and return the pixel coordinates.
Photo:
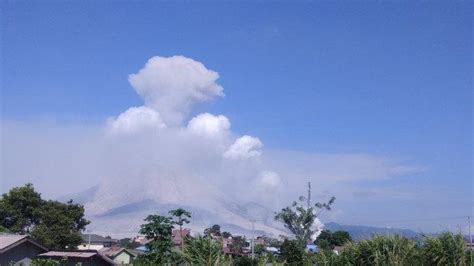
(370, 101)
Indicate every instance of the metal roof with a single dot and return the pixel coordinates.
(75, 254)
(8, 240)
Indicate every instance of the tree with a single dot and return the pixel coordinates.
(158, 230)
(128, 243)
(292, 252)
(59, 224)
(238, 242)
(213, 230)
(203, 251)
(328, 240)
(17, 209)
(181, 217)
(300, 219)
(226, 234)
(53, 223)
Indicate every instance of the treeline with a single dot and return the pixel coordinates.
(55, 224)
(59, 225)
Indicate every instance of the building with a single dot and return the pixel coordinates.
(120, 255)
(18, 249)
(178, 237)
(96, 242)
(78, 257)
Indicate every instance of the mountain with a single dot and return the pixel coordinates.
(359, 232)
(124, 219)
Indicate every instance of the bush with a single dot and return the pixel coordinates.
(445, 249)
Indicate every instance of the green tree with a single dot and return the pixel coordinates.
(180, 217)
(158, 230)
(226, 234)
(59, 225)
(18, 207)
(293, 252)
(300, 219)
(202, 250)
(328, 240)
(214, 230)
(238, 242)
(53, 223)
(245, 261)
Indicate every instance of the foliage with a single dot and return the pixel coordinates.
(293, 251)
(328, 240)
(202, 250)
(17, 209)
(381, 250)
(45, 262)
(226, 234)
(60, 225)
(214, 230)
(55, 224)
(128, 243)
(181, 217)
(300, 219)
(245, 261)
(445, 249)
(238, 242)
(158, 230)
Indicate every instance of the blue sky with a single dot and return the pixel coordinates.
(384, 78)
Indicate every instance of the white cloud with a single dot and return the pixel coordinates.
(245, 147)
(136, 119)
(209, 125)
(162, 154)
(173, 85)
(270, 179)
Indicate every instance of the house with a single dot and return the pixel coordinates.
(78, 257)
(18, 249)
(96, 242)
(120, 255)
(178, 237)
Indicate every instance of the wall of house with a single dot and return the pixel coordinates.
(123, 258)
(20, 252)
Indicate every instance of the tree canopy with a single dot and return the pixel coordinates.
(328, 239)
(299, 219)
(54, 224)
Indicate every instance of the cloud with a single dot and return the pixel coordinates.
(155, 152)
(270, 179)
(246, 147)
(209, 125)
(136, 119)
(173, 85)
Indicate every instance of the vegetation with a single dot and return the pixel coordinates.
(58, 225)
(202, 250)
(446, 249)
(327, 240)
(18, 209)
(158, 230)
(299, 219)
(213, 230)
(55, 224)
